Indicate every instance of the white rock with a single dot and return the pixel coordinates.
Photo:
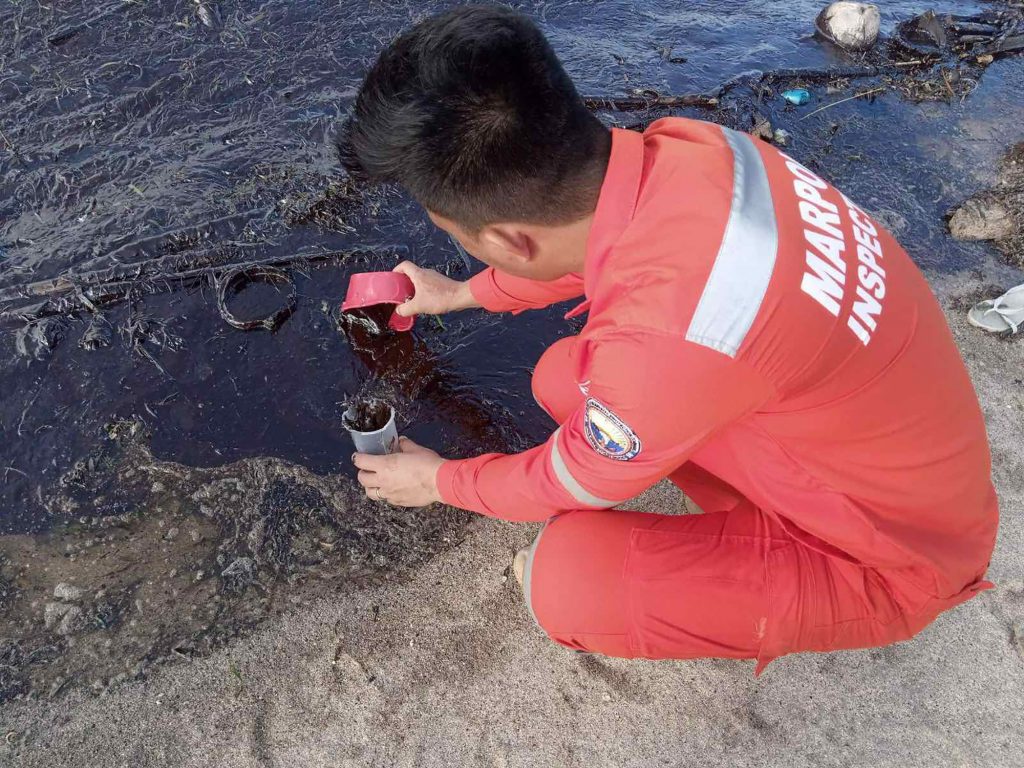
(853, 26)
(53, 613)
(72, 621)
(65, 591)
(982, 219)
(782, 137)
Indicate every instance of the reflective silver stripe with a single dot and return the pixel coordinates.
(746, 259)
(570, 483)
(528, 570)
(541, 406)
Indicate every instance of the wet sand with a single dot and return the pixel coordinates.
(444, 667)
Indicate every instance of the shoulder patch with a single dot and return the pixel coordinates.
(609, 435)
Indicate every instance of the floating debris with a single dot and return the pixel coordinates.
(762, 127)
(97, 335)
(38, 338)
(926, 30)
(208, 14)
(985, 34)
(862, 94)
(649, 99)
(65, 33)
(797, 96)
(237, 280)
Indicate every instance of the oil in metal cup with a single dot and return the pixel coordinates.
(361, 419)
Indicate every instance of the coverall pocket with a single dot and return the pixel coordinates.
(818, 603)
(692, 595)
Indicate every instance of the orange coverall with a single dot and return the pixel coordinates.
(760, 340)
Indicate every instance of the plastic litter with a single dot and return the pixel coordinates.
(367, 289)
(797, 96)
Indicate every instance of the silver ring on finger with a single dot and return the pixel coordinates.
(378, 494)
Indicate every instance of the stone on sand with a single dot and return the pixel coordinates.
(53, 613)
(853, 26)
(73, 621)
(982, 219)
(68, 592)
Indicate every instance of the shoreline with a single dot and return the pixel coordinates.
(443, 666)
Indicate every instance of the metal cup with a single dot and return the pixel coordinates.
(378, 442)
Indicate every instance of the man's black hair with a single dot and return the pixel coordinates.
(473, 114)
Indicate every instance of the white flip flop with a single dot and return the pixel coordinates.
(1002, 315)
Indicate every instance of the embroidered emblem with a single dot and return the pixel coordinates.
(608, 434)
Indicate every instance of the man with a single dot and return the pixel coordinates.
(753, 335)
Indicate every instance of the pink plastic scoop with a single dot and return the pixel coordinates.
(366, 289)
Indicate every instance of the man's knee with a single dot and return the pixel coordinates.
(553, 384)
(523, 567)
(627, 584)
(572, 592)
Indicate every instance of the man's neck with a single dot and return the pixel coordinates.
(570, 243)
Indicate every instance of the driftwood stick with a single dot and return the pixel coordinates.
(641, 102)
(69, 294)
(842, 101)
(70, 282)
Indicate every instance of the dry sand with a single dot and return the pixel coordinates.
(445, 668)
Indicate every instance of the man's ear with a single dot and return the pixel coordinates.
(512, 240)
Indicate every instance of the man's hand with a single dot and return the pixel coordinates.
(406, 479)
(435, 293)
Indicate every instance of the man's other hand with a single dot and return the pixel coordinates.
(435, 293)
(406, 479)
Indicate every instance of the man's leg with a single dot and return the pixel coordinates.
(727, 584)
(633, 584)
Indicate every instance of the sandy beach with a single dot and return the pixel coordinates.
(443, 667)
